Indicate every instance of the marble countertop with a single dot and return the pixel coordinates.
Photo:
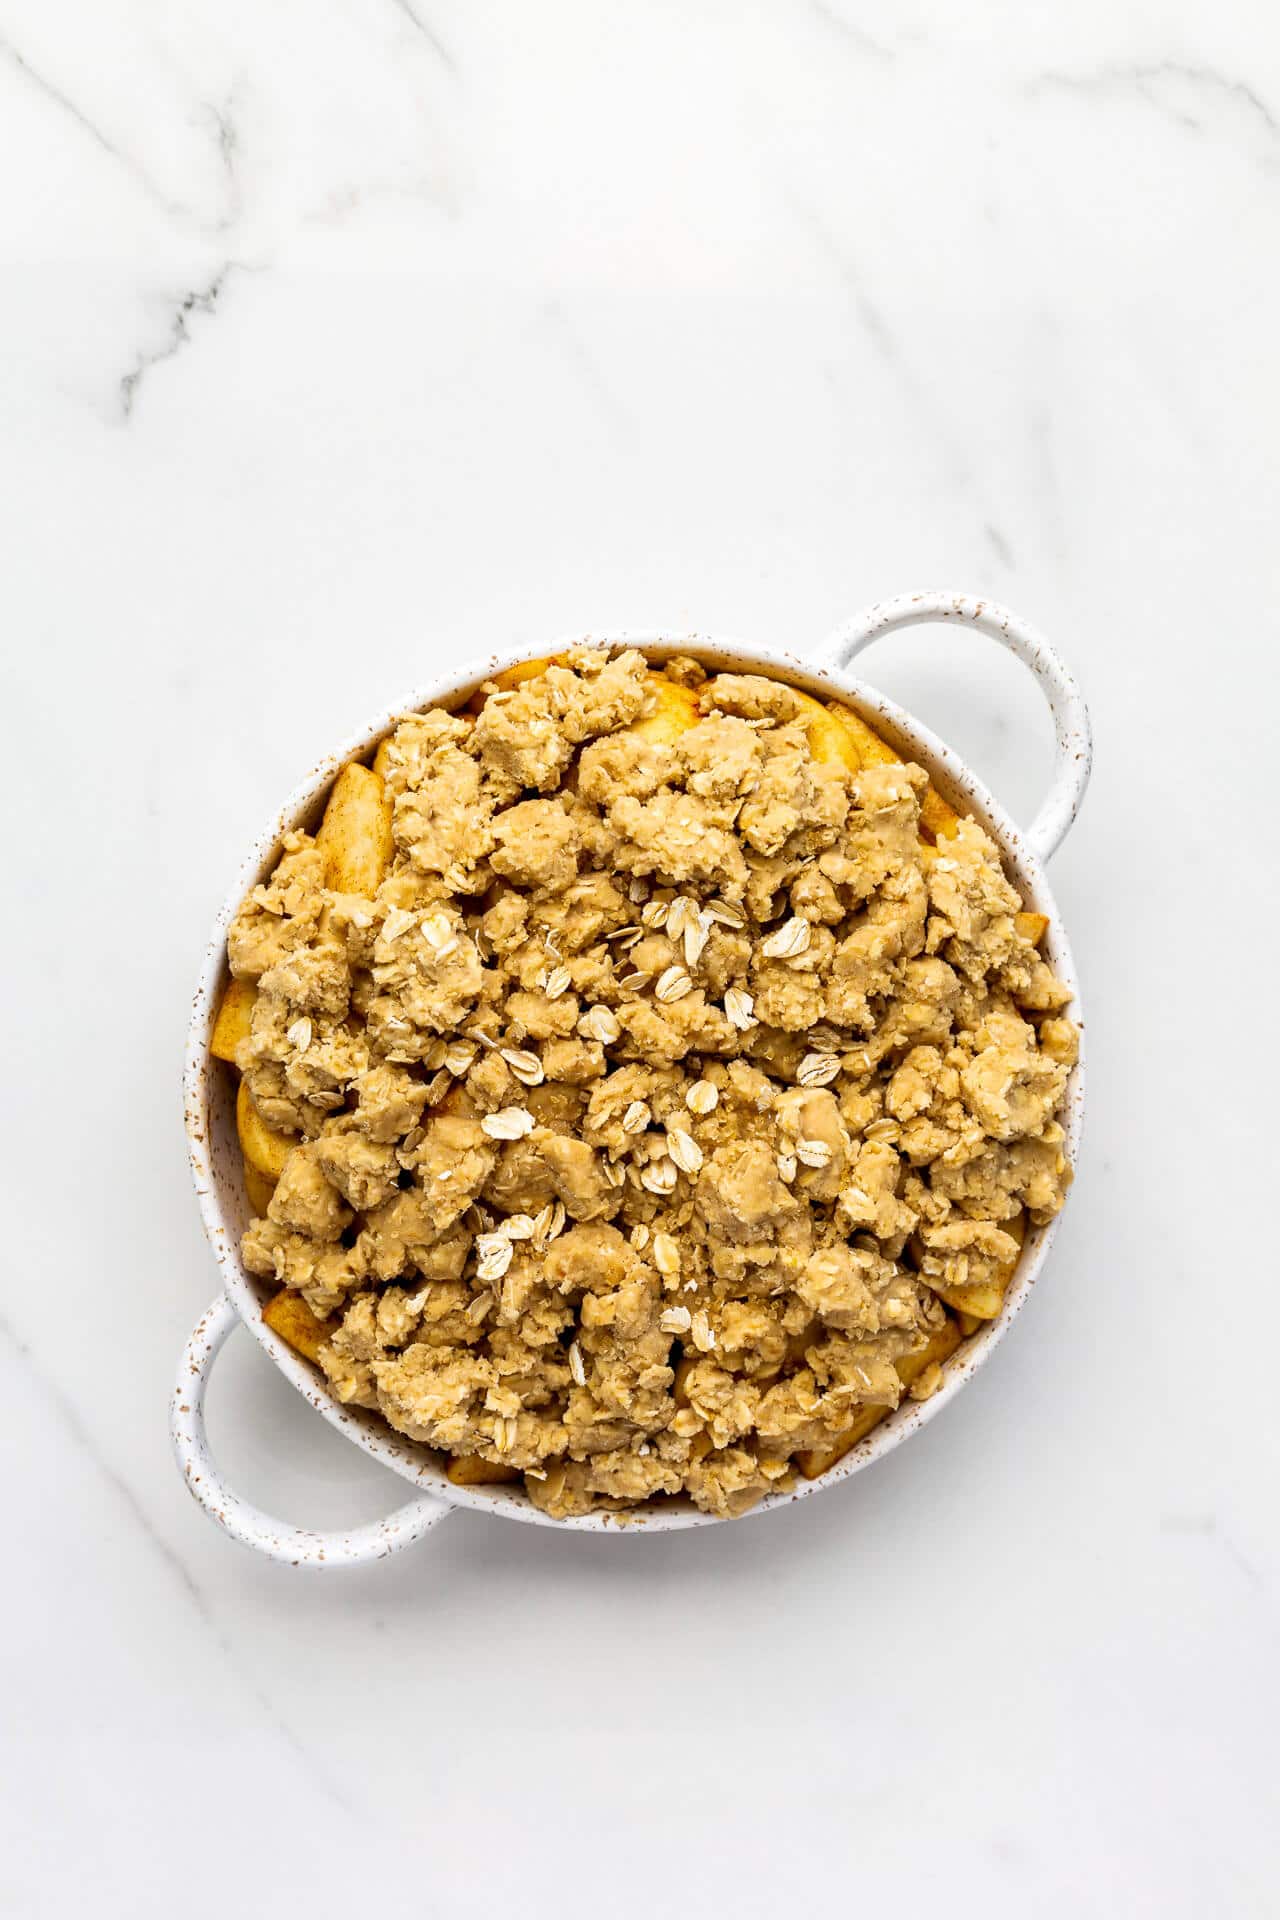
(341, 343)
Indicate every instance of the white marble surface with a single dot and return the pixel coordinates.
(341, 341)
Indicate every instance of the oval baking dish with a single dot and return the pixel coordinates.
(210, 1100)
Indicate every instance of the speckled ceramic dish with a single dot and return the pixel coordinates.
(210, 1103)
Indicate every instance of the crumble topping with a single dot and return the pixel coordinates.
(663, 1095)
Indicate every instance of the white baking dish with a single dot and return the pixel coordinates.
(215, 1153)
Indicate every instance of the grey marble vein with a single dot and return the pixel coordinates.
(428, 33)
(50, 91)
(346, 202)
(1157, 82)
(837, 254)
(1046, 484)
(883, 341)
(227, 135)
(68, 1416)
(62, 100)
(199, 300)
(585, 363)
(848, 30)
(1207, 1526)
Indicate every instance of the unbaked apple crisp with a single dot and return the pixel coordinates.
(646, 1080)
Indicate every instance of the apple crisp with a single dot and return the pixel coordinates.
(638, 1093)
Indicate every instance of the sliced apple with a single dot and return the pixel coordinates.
(830, 741)
(674, 711)
(258, 1189)
(470, 1470)
(937, 819)
(288, 1314)
(264, 1149)
(984, 1299)
(234, 1019)
(939, 1347)
(526, 670)
(355, 834)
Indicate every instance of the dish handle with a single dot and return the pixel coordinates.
(1073, 757)
(298, 1546)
